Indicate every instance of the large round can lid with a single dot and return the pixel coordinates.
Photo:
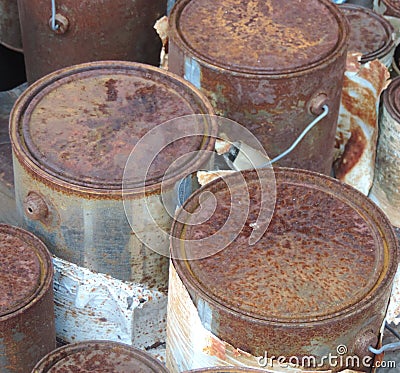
(98, 356)
(80, 124)
(23, 267)
(269, 36)
(327, 249)
(370, 33)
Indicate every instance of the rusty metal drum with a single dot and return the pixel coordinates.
(26, 307)
(266, 67)
(72, 134)
(318, 280)
(385, 188)
(71, 32)
(10, 31)
(370, 34)
(98, 356)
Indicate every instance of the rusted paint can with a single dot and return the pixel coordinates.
(387, 7)
(370, 34)
(98, 356)
(267, 66)
(88, 31)
(72, 134)
(26, 306)
(317, 283)
(364, 3)
(10, 31)
(385, 188)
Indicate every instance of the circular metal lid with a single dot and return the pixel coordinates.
(323, 252)
(391, 98)
(370, 33)
(22, 268)
(100, 357)
(80, 124)
(260, 36)
(393, 7)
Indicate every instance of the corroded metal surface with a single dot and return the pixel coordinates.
(224, 370)
(73, 156)
(98, 356)
(27, 330)
(320, 277)
(10, 32)
(97, 30)
(370, 33)
(385, 188)
(392, 7)
(263, 64)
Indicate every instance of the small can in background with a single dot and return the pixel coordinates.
(27, 331)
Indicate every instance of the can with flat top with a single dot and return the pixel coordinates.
(317, 282)
(269, 67)
(370, 34)
(386, 186)
(98, 356)
(27, 330)
(72, 134)
(10, 31)
(63, 33)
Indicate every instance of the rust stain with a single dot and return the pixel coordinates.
(352, 152)
(112, 91)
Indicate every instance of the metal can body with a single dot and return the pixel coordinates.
(98, 356)
(276, 97)
(73, 197)
(10, 32)
(385, 188)
(88, 31)
(278, 295)
(27, 330)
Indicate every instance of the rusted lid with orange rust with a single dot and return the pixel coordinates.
(24, 264)
(327, 250)
(80, 124)
(391, 99)
(370, 33)
(98, 356)
(260, 36)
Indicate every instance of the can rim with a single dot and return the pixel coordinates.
(46, 277)
(387, 26)
(389, 99)
(57, 355)
(38, 171)
(339, 49)
(383, 228)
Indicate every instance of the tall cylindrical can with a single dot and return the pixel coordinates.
(98, 356)
(27, 330)
(72, 134)
(385, 191)
(75, 32)
(269, 67)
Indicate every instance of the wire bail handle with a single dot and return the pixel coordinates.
(57, 22)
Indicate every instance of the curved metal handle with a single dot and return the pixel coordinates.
(324, 113)
(390, 346)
